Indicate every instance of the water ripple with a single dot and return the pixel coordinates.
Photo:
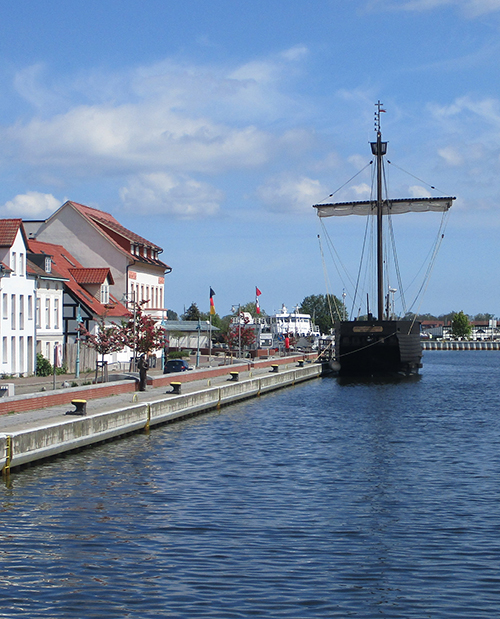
(329, 499)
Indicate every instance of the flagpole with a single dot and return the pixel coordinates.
(210, 341)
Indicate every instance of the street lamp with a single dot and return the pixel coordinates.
(233, 309)
(78, 335)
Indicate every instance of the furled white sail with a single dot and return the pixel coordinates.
(393, 207)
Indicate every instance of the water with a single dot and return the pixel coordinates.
(323, 500)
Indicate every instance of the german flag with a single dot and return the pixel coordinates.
(212, 306)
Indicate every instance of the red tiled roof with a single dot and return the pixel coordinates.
(108, 224)
(64, 263)
(92, 276)
(8, 231)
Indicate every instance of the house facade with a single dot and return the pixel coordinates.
(17, 302)
(97, 238)
(85, 298)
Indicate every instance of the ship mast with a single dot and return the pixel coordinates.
(379, 149)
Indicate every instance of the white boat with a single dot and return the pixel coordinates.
(297, 326)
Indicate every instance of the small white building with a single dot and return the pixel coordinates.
(17, 302)
(49, 285)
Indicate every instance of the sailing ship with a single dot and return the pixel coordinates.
(381, 345)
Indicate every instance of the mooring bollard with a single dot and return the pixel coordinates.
(274, 368)
(176, 388)
(235, 376)
(80, 407)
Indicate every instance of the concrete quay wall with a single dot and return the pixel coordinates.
(32, 444)
(34, 401)
(460, 345)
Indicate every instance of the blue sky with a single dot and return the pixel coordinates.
(211, 128)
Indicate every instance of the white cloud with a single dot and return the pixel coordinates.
(185, 118)
(31, 204)
(287, 193)
(165, 194)
(362, 190)
(417, 191)
(451, 156)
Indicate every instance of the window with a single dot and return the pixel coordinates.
(47, 312)
(37, 314)
(21, 265)
(21, 311)
(13, 311)
(13, 262)
(48, 264)
(104, 293)
(142, 293)
(5, 306)
(30, 307)
(56, 313)
(5, 350)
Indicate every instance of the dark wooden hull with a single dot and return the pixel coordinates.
(378, 347)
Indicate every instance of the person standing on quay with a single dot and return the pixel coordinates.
(143, 366)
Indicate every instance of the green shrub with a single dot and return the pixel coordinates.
(62, 370)
(178, 354)
(43, 365)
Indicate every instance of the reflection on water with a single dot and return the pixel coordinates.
(324, 500)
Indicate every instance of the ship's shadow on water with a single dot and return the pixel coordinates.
(396, 379)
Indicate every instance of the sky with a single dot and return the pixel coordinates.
(211, 128)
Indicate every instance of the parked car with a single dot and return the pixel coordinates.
(176, 365)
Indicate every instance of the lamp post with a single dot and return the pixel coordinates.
(233, 309)
(78, 322)
(125, 297)
(198, 328)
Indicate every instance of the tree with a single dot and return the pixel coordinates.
(142, 333)
(216, 319)
(192, 313)
(318, 306)
(171, 315)
(483, 317)
(460, 326)
(240, 334)
(108, 338)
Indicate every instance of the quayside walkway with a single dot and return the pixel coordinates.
(45, 431)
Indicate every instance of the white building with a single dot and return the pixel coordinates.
(49, 285)
(97, 238)
(17, 305)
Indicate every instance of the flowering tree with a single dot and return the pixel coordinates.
(142, 333)
(107, 339)
(240, 333)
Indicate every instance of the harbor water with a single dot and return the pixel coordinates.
(328, 499)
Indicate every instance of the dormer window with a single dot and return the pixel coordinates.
(48, 264)
(104, 293)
